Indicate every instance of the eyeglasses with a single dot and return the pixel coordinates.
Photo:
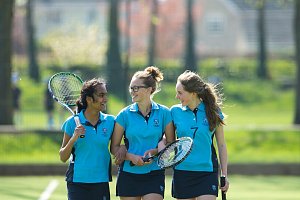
(136, 88)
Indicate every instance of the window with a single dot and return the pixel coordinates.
(215, 24)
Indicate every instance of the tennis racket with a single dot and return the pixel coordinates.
(222, 182)
(65, 88)
(173, 154)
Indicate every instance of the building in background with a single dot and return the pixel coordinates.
(223, 28)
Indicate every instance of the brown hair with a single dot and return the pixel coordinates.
(207, 92)
(152, 77)
(88, 89)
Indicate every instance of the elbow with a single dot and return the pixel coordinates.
(62, 157)
(64, 160)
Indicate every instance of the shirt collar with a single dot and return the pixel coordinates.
(201, 107)
(83, 120)
(135, 108)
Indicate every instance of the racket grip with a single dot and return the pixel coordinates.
(222, 182)
(77, 121)
(145, 159)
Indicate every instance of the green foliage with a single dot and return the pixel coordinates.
(114, 105)
(244, 99)
(30, 148)
(263, 146)
(251, 92)
(245, 68)
(32, 97)
(75, 46)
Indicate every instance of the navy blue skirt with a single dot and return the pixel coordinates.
(90, 191)
(191, 184)
(136, 185)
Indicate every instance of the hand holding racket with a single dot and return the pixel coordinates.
(173, 154)
(222, 182)
(65, 88)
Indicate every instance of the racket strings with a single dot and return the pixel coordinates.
(66, 89)
(175, 153)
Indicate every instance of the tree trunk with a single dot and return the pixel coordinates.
(190, 58)
(297, 44)
(262, 71)
(152, 36)
(6, 107)
(114, 63)
(34, 72)
(127, 54)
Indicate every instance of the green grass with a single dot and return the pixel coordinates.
(261, 146)
(30, 148)
(244, 146)
(241, 187)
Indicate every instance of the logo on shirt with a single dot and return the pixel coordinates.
(104, 131)
(205, 122)
(156, 122)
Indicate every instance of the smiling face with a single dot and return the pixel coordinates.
(138, 90)
(99, 100)
(186, 98)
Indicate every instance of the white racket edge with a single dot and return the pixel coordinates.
(188, 141)
(77, 121)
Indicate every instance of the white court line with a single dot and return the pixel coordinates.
(49, 189)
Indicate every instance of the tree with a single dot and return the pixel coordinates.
(262, 58)
(6, 107)
(190, 57)
(114, 63)
(262, 70)
(297, 44)
(152, 36)
(127, 47)
(34, 72)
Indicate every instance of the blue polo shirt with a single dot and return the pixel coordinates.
(141, 135)
(90, 161)
(203, 156)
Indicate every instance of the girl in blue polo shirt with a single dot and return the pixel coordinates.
(199, 117)
(142, 125)
(89, 171)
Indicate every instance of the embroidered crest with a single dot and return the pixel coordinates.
(156, 122)
(104, 131)
(205, 122)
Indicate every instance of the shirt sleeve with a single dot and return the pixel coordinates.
(69, 126)
(221, 115)
(120, 119)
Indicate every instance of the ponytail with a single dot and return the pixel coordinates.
(206, 92)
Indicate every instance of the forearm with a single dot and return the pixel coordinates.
(223, 157)
(66, 151)
(114, 148)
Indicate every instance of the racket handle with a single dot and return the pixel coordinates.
(222, 181)
(145, 159)
(77, 121)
